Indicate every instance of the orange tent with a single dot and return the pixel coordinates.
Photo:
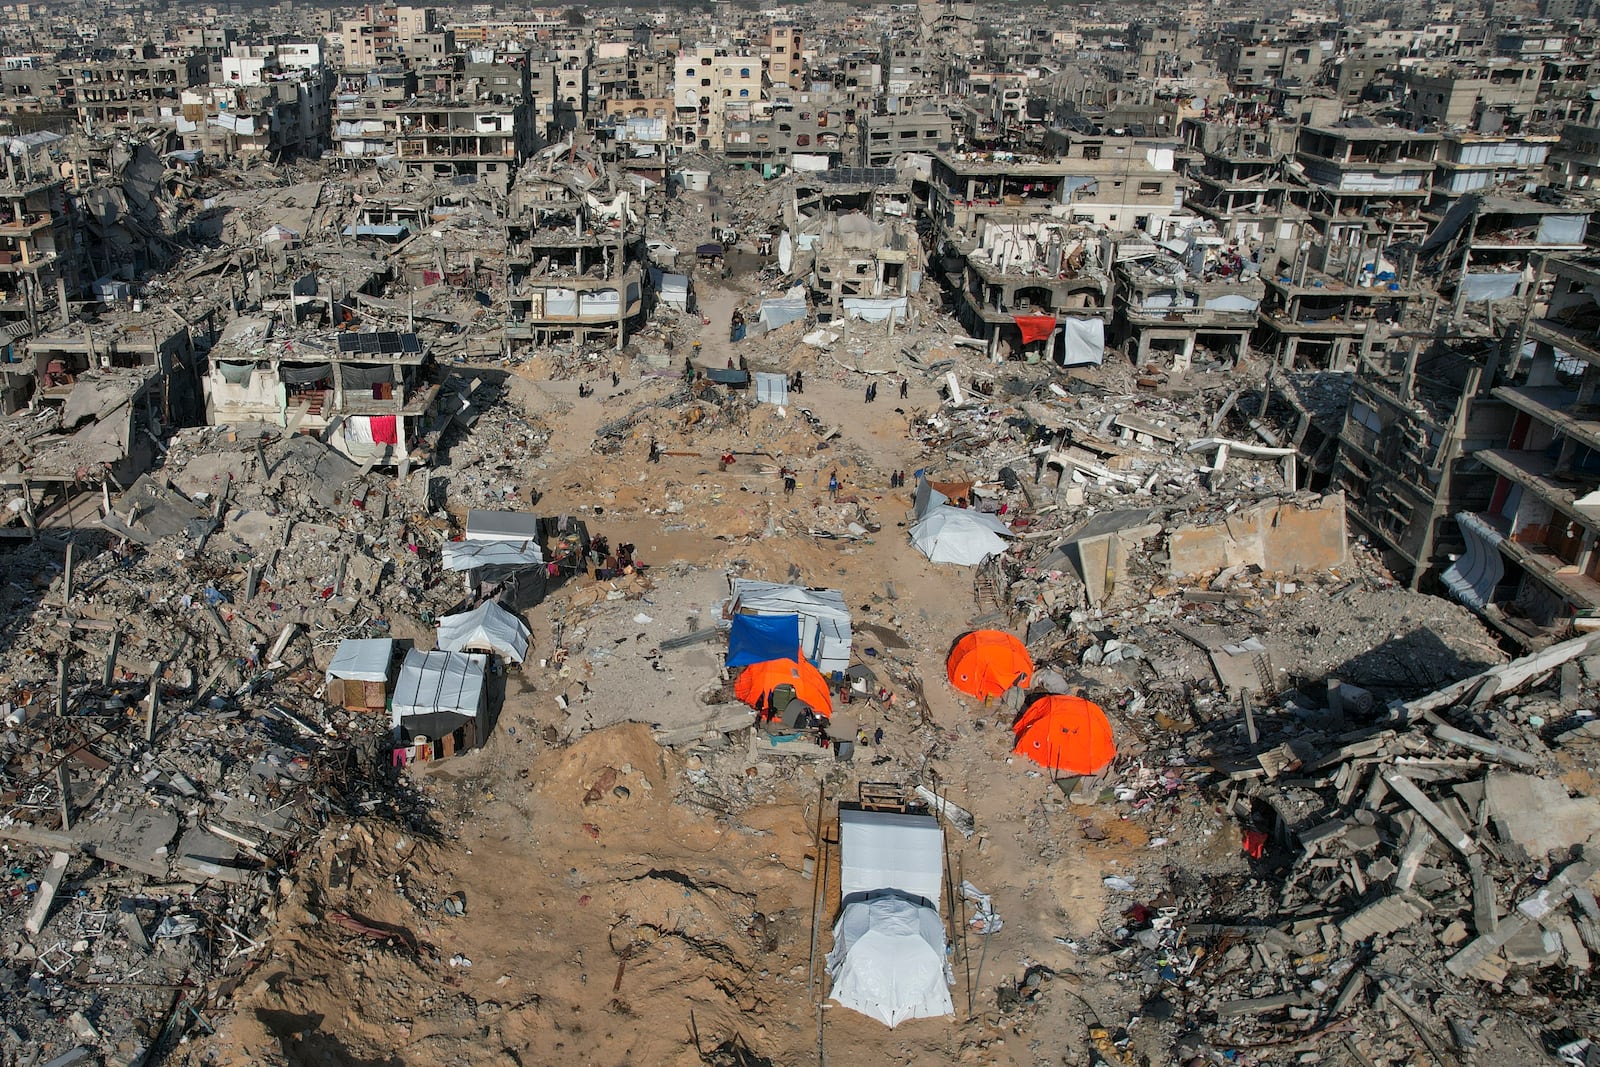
(985, 663)
(756, 684)
(1066, 734)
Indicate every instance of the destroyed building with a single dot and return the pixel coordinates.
(369, 393)
(1190, 288)
(574, 255)
(470, 120)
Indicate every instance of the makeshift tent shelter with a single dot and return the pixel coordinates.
(757, 638)
(890, 850)
(1066, 734)
(358, 677)
(887, 960)
(516, 526)
(948, 534)
(438, 693)
(959, 535)
(888, 957)
(502, 548)
(824, 618)
(759, 680)
(486, 628)
(985, 663)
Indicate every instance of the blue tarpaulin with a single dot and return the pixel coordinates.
(758, 638)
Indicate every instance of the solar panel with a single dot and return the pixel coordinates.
(384, 342)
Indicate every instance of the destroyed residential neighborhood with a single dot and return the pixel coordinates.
(861, 534)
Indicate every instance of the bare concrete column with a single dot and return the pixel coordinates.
(109, 676)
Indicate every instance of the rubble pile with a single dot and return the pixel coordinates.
(1419, 880)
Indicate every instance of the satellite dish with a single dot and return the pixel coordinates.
(785, 252)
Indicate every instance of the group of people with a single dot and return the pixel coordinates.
(788, 477)
(897, 479)
(872, 390)
(605, 564)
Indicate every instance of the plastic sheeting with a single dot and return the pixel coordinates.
(772, 388)
(875, 309)
(486, 627)
(355, 377)
(1500, 285)
(1083, 342)
(304, 373)
(890, 850)
(1472, 578)
(1563, 229)
(236, 373)
(362, 660)
(888, 961)
(782, 310)
(470, 555)
(435, 682)
(487, 525)
(758, 638)
(962, 536)
(1232, 302)
(825, 636)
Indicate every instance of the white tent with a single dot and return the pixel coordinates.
(468, 555)
(435, 684)
(958, 535)
(486, 628)
(888, 956)
(888, 960)
(362, 660)
(890, 850)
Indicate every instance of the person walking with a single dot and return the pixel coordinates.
(788, 482)
(655, 451)
(905, 388)
(799, 383)
(869, 394)
(833, 485)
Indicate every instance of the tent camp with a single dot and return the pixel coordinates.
(888, 956)
(985, 663)
(439, 694)
(358, 677)
(823, 618)
(486, 628)
(1066, 734)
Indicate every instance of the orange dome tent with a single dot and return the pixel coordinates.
(985, 663)
(1066, 734)
(756, 684)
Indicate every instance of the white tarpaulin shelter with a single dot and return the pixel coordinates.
(362, 660)
(438, 684)
(888, 960)
(890, 850)
(468, 555)
(516, 526)
(486, 628)
(958, 535)
(772, 388)
(888, 957)
(824, 617)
